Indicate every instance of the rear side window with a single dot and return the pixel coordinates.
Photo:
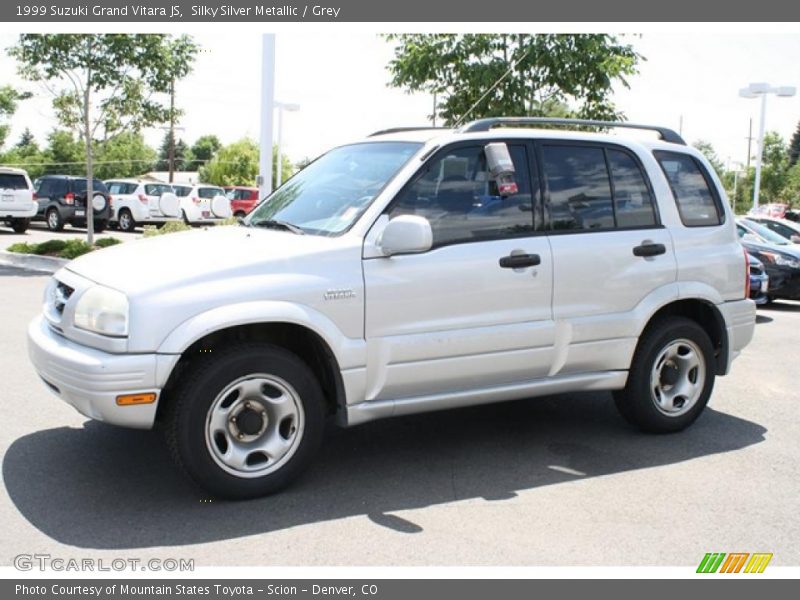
(79, 186)
(633, 202)
(580, 189)
(13, 181)
(121, 187)
(181, 190)
(209, 192)
(156, 189)
(698, 202)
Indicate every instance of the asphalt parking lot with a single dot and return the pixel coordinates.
(555, 481)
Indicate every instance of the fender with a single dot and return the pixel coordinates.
(350, 353)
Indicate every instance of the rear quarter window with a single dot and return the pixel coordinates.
(209, 192)
(698, 201)
(181, 190)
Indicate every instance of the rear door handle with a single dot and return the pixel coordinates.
(520, 261)
(649, 249)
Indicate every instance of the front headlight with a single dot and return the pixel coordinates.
(779, 259)
(103, 310)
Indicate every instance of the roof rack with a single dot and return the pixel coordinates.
(666, 134)
(403, 130)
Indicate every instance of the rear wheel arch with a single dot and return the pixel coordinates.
(707, 316)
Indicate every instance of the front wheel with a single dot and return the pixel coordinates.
(54, 220)
(245, 420)
(671, 377)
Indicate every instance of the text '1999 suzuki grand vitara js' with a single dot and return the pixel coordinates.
(415, 270)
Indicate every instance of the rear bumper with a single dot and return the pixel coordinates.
(740, 323)
(90, 380)
(19, 211)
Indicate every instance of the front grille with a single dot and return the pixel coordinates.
(61, 294)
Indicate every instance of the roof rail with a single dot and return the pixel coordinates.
(666, 134)
(403, 130)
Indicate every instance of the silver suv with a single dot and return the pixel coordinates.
(414, 270)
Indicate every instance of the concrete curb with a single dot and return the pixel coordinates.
(46, 264)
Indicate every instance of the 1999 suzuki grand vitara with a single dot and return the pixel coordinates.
(416, 270)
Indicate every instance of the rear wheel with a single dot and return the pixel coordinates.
(126, 221)
(246, 420)
(671, 377)
(54, 220)
(99, 226)
(20, 225)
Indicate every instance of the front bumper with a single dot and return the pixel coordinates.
(90, 380)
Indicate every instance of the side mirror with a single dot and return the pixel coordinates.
(501, 168)
(406, 234)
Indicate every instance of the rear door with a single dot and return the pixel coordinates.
(460, 316)
(610, 250)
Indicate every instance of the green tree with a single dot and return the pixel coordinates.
(237, 164)
(484, 75)
(125, 155)
(204, 149)
(27, 140)
(64, 153)
(791, 186)
(105, 84)
(9, 99)
(711, 155)
(183, 160)
(794, 147)
(775, 163)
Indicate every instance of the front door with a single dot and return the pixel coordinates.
(475, 310)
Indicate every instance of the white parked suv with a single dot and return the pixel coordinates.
(17, 205)
(136, 202)
(202, 203)
(413, 271)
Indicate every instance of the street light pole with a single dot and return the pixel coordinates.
(754, 90)
(267, 100)
(281, 106)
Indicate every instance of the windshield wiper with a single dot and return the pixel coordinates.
(276, 224)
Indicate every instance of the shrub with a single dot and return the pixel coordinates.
(168, 227)
(48, 247)
(106, 242)
(75, 248)
(228, 221)
(21, 248)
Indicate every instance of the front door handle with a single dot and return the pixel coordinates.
(520, 261)
(649, 249)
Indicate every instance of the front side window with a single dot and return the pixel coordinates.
(697, 202)
(121, 187)
(455, 194)
(331, 193)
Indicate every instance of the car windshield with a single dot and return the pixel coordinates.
(329, 195)
(766, 233)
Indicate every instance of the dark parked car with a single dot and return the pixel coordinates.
(62, 200)
(781, 260)
(759, 281)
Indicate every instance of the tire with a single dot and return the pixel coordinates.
(20, 225)
(126, 222)
(242, 382)
(54, 220)
(185, 218)
(671, 377)
(240, 214)
(99, 226)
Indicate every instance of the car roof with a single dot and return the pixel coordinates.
(13, 171)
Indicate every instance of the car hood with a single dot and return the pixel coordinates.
(194, 257)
